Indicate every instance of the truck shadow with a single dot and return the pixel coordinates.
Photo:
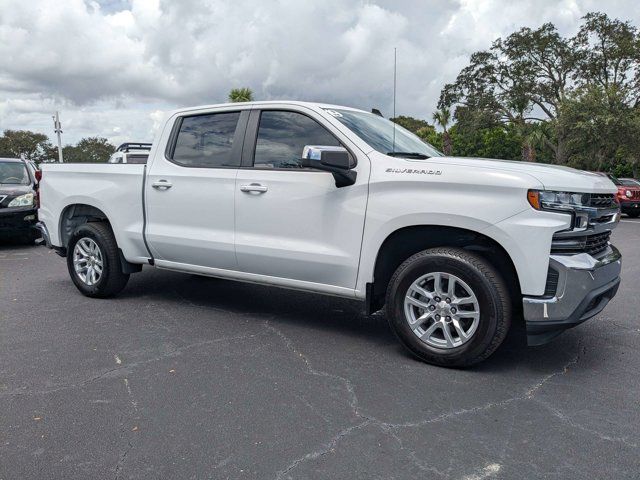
(336, 315)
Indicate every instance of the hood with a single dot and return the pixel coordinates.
(552, 177)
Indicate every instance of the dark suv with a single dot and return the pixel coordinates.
(18, 199)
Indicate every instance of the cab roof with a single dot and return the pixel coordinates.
(262, 103)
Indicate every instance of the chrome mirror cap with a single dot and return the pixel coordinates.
(314, 152)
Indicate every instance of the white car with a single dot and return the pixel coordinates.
(343, 202)
(131, 153)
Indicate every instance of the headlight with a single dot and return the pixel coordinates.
(628, 193)
(548, 200)
(25, 200)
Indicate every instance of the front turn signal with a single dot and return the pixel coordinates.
(534, 199)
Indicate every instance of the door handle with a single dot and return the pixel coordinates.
(162, 185)
(254, 187)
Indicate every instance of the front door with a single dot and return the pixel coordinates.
(291, 222)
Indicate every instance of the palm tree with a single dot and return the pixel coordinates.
(243, 94)
(536, 138)
(442, 117)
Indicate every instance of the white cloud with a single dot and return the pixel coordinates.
(113, 67)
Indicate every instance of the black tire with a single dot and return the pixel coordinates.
(633, 214)
(112, 280)
(489, 288)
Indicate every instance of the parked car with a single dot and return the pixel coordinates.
(628, 195)
(18, 199)
(343, 202)
(131, 153)
(630, 182)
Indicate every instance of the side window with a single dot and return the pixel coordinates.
(282, 137)
(137, 158)
(206, 140)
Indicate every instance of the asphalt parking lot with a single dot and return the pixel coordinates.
(189, 377)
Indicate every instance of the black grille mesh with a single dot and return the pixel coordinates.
(551, 287)
(603, 200)
(591, 244)
(597, 243)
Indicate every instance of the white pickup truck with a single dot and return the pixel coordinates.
(343, 202)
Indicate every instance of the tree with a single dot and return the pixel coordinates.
(603, 131)
(241, 95)
(442, 117)
(410, 123)
(520, 79)
(88, 150)
(601, 116)
(527, 79)
(26, 144)
(609, 57)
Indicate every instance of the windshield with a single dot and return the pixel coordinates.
(615, 180)
(628, 183)
(378, 132)
(14, 173)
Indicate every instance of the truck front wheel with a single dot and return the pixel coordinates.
(448, 306)
(93, 261)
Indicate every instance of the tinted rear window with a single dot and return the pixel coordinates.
(207, 140)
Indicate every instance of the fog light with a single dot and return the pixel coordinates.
(28, 218)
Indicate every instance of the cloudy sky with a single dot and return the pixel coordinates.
(113, 67)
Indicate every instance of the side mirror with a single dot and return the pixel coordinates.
(330, 159)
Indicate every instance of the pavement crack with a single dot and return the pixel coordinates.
(574, 361)
(125, 367)
(121, 460)
(353, 399)
(132, 399)
(571, 423)
(412, 454)
(447, 416)
(326, 448)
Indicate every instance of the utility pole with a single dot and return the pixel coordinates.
(57, 127)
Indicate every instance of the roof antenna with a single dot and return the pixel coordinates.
(395, 50)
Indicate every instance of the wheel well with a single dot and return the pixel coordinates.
(74, 215)
(408, 241)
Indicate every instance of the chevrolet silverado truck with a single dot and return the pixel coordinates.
(339, 201)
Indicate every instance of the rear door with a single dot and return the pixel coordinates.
(293, 223)
(189, 191)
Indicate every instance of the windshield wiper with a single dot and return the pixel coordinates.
(421, 156)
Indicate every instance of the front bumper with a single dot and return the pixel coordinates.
(17, 220)
(584, 287)
(630, 206)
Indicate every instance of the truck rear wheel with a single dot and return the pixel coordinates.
(93, 261)
(448, 306)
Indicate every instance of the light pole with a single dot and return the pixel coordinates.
(57, 127)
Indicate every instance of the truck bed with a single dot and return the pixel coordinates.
(114, 189)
